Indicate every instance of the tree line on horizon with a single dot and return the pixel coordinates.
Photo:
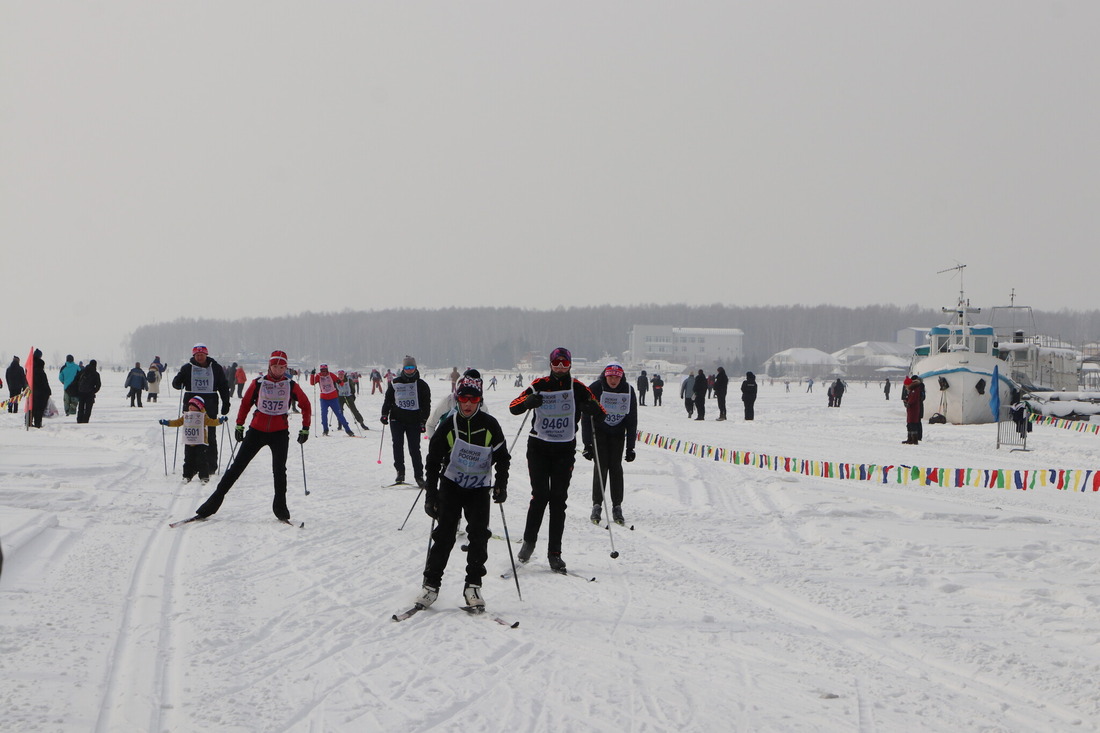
(499, 338)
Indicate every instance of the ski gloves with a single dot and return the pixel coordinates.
(587, 453)
(238, 433)
(533, 400)
(431, 503)
(630, 455)
(303, 435)
(385, 420)
(500, 494)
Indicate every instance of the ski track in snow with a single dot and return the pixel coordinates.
(743, 599)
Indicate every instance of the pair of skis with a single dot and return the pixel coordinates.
(471, 610)
(197, 518)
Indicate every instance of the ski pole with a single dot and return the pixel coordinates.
(508, 541)
(176, 445)
(221, 448)
(304, 484)
(415, 501)
(603, 488)
(513, 445)
(164, 448)
(381, 442)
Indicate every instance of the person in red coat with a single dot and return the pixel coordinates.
(271, 395)
(913, 397)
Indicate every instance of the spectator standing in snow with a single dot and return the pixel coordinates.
(687, 392)
(42, 390)
(838, 391)
(454, 378)
(643, 387)
(68, 373)
(658, 389)
(700, 387)
(17, 382)
(911, 396)
(406, 408)
(721, 387)
(241, 379)
(462, 454)
(88, 384)
(748, 395)
(205, 377)
(330, 399)
(557, 401)
(809, 385)
(886, 388)
(194, 422)
(137, 383)
(271, 395)
(153, 378)
(610, 440)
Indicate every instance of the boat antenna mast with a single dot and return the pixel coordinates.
(963, 308)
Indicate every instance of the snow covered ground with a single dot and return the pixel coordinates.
(743, 599)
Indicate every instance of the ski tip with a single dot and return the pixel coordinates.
(515, 625)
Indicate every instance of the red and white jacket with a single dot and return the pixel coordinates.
(327, 381)
(268, 423)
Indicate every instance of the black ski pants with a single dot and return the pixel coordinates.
(84, 407)
(750, 409)
(550, 466)
(254, 440)
(453, 503)
(400, 433)
(609, 453)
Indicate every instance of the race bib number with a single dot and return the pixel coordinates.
(406, 396)
(617, 405)
(469, 465)
(273, 397)
(554, 418)
(194, 428)
(202, 379)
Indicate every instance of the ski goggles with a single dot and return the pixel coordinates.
(409, 369)
(560, 363)
(468, 398)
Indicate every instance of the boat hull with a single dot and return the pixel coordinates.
(969, 379)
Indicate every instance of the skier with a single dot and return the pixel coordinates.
(345, 388)
(204, 376)
(557, 401)
(271, 395)
(461, 455)
(330, 399)
(609, 439)
(376, 382)
(194, 422)
(445, 407)
(408, 402)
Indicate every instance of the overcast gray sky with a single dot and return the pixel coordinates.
(241, 158)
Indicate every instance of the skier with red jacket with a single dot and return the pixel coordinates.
(330, 399)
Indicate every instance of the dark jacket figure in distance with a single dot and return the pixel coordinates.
(610, 440)
(687, 393)
(748, 395)
(136, 382)
(558, 402)
(913, 398)
(17, 382)
(465, 450)
(658, 389)
(643, 387)
(87, 385)
(886, 388)
(700, 388)
(42, 390)
(721, 386)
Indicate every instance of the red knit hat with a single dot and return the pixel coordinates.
(198, 402)
(277, 357)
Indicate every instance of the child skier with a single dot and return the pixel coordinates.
(461, 454)
(194, 422)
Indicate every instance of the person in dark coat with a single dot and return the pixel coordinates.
(700, 389)
(687, 392)
(609, 441)
(137, 383)
(17, 382)
(406, 409)
(658, 389)
(913, 400)
(643, 387)
(87, 385)
(748, 395)
(886, 388)
(837, 392)
(721, 386)
(42, 391)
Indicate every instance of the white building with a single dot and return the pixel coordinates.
(696, 347)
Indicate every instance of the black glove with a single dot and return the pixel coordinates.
(239, 433)
(630, 455)
(587, 453)
(500, 493)
(225, 407)
(313, 371)
(385, 420)
(533, 400)
(423, 427)
(303, 435)
(163, 422)
(431, 504)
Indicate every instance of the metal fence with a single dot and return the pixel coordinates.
(1014, 427)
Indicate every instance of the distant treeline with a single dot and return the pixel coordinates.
(498, 338)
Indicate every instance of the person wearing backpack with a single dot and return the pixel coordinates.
(152, 377)
(88, 384)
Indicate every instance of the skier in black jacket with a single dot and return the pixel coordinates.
(204, 377)
(406, 408)
(464, 450)
(748, 395)
(557, 401)
(608, 440)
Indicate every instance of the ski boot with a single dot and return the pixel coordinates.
(556, 563)
(427, 596)
(524, 554)
(617, 515)
(597, 513)
(472, 594)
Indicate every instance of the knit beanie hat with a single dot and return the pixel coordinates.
(198, 402)
(277, 357)
(199, 349)
(468, 387)
(408, 361)
(561, 353)
(613, 369)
